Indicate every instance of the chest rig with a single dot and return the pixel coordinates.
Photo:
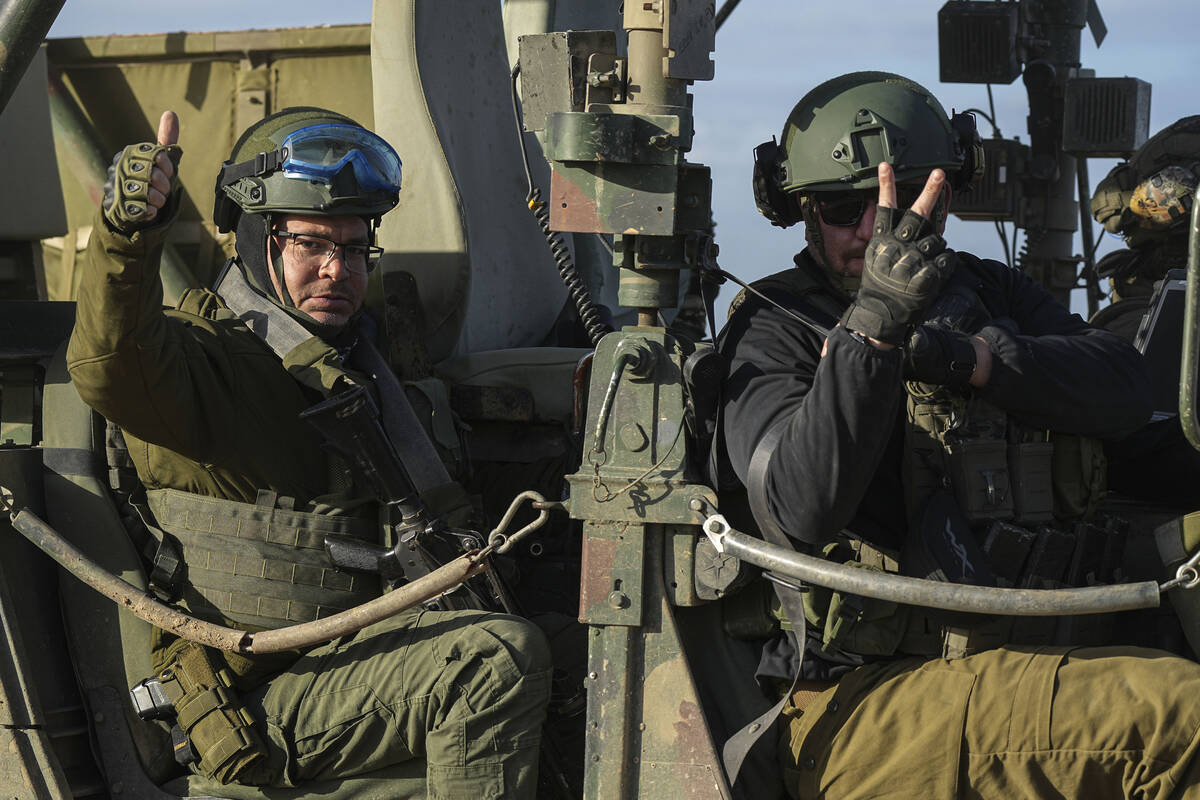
(994, 502)
(987, 501)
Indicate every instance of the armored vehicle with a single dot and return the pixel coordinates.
(557, 148)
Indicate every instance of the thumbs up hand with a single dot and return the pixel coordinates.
(142, 178)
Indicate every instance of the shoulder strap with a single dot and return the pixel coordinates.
(738, 746)
(282, 333)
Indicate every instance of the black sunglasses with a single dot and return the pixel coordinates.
(846, 209)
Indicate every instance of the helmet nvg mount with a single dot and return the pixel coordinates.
(838, 134)
(307, 161)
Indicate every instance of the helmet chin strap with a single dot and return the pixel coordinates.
(274, 257)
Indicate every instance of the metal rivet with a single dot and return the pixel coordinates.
(618, 600)
(595, 759)
(833, 706)
(593, 675)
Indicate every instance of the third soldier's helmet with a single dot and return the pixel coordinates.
(1148, 198)
(838, 134)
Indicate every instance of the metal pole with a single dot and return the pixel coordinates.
(23, 26)
(1191, 318)
(926, 593)
(1050, 223)
(1090, 280)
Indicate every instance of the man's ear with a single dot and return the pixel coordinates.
(941, 211)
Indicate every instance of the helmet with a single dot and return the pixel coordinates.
(307, 160)
(838, 134)
(1148, 198)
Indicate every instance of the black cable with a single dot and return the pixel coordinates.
(816, 327)
(589, 314)
(992, 108)
(1003, 240)
(723, 14)
(991, 120)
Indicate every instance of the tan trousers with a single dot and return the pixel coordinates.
(1009, 723)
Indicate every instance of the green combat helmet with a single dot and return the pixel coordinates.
(301, 160)
(838, 134)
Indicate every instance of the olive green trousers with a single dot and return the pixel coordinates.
(466, 691)
(1015, 722)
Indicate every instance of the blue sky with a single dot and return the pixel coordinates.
(769, 53)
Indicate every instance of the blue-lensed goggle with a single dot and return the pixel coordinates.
(319, 152)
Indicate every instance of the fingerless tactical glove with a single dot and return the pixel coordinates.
(126, 200)
(904, 269)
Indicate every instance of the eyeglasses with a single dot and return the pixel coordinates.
(846, 209)
(314, 252)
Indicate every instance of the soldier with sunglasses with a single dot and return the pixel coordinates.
(241, 493)
(896, 404)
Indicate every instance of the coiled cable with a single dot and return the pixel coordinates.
(589, 313)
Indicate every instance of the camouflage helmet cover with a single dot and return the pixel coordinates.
(1146, 198)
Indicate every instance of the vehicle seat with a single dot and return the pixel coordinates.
(110, 647)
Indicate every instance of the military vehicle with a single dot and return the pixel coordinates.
(608, 424)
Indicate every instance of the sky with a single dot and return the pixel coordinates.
(769, 53)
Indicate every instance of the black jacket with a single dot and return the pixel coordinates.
(838, 464)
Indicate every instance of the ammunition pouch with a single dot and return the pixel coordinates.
(215, 724)
(1079, 475)
(862, 625)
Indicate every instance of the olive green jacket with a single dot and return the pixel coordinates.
(205, 405)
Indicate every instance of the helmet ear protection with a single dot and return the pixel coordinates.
(967, 134)
(773, 203)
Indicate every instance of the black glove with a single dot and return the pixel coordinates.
(904, 269)
(939, 356)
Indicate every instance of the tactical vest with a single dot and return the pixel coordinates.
(1017, 496)
(259, 564)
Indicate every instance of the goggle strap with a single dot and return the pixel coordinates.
(260, 165)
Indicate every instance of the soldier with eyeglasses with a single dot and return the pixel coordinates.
(904, 407)
(208, 397)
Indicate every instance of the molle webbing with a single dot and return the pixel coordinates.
(259, 565)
